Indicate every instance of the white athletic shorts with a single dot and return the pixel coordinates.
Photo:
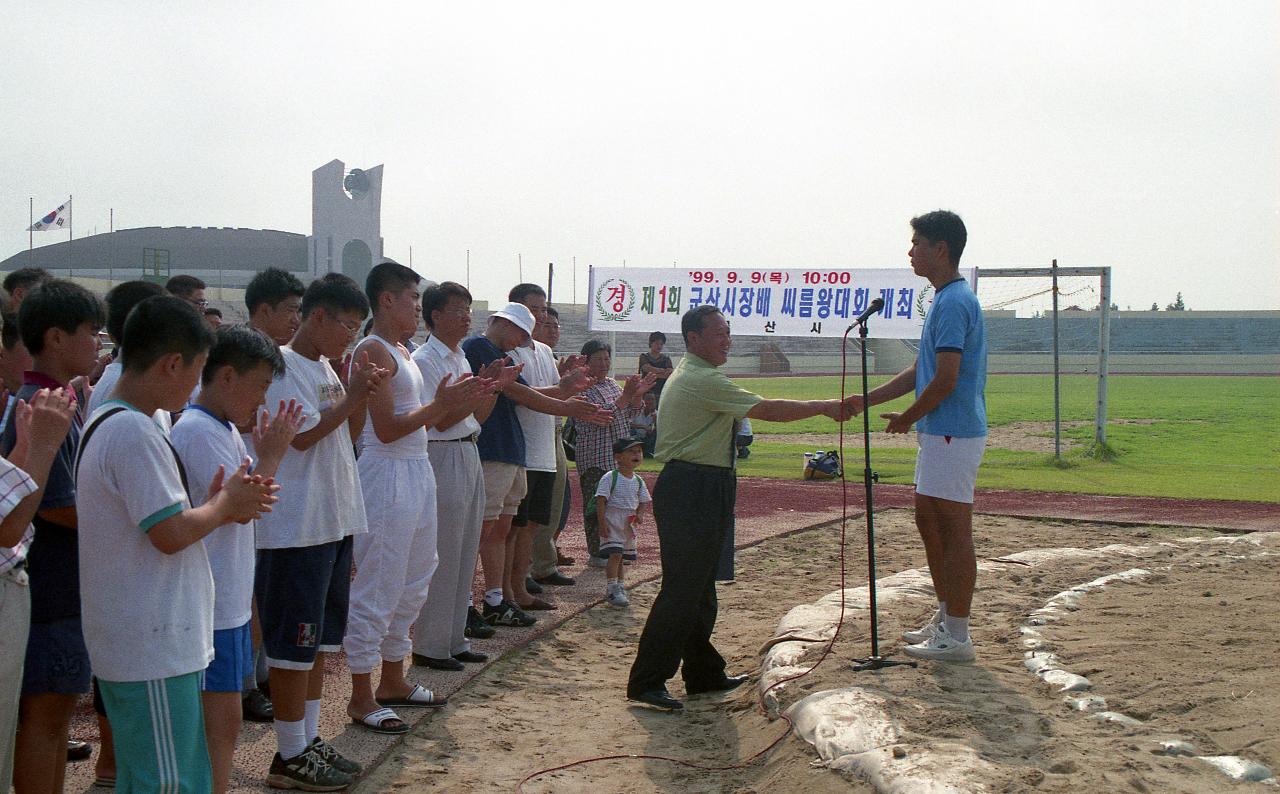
(947, 467)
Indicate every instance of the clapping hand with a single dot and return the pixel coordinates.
(588, 412)
(461, 391)
(576, 380)
(364, 376)
(44, 422)
(271, 437)
(636, 386)
(247, 496)
(567, 364)
(500, 373)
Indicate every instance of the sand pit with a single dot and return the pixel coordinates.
(1189, 666)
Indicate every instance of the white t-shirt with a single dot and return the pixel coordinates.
(435, 360)
(539, 428)
(146, 614)
(320, 498)
(107, 383)
(623, 498)
(204, 444)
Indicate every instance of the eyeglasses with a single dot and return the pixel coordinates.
(457, 311)
(352, 330)
(199, 304)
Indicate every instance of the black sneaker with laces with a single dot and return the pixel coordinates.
(476, 628)
(334, 758)
(306, 771)
(507, 614)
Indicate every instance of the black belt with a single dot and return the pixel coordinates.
(471, 439)
(722, 470)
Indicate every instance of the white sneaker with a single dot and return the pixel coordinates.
(617, 597)
(942, 647)
(923, 633)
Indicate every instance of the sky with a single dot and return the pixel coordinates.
(1140, 135)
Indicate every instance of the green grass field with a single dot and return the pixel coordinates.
(1207, 437)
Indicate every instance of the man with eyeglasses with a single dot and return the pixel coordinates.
(189, 288)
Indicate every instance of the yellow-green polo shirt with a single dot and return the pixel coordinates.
(696, 414)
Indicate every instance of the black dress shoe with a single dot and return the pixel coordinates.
(78, 750)
(477, 628)
(658, 698)
(435, 663)
(257, 706)
(558, 579)
(532, 586)
(471, 657)
(729, 682)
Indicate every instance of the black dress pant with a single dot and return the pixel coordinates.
(693, 511)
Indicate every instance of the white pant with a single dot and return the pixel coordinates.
(15, 617)
(460, 498)
(394, 561)
(947, 467)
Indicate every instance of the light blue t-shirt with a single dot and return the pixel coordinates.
(954, 325)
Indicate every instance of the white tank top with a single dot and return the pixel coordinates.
(406, 391)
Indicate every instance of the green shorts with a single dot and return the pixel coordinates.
(159, 734)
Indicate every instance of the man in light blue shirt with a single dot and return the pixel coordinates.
(950, 414)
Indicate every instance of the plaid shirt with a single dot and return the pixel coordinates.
(595, 444)
(15, 485)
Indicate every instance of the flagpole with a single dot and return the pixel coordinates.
(31, 222)
(71, 235)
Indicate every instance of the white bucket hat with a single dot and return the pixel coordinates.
(518, 314)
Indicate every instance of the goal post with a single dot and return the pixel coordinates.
(1103, 276)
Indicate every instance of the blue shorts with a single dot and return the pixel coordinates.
(232, 660)
(57, 662)
(303, 594)
(158, 730)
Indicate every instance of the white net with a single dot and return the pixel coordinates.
(1032, 296)
(1020, 321)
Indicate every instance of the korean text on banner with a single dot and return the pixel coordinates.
(813, 303)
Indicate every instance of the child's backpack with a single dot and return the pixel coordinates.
(822, 465)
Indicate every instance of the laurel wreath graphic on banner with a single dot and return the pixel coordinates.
(922, 300)
(609, 315)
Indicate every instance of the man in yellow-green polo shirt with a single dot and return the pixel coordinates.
(693, 508)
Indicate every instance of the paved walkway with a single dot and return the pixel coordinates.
(766, 508)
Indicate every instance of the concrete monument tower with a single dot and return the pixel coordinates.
(346, 220)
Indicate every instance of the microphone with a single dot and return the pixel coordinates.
(876, 305)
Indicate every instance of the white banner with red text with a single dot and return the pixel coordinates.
(757, 302)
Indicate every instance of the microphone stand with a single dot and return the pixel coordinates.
(875, 661)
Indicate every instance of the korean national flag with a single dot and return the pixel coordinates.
(58, 219)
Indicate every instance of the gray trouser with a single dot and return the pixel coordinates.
(15, 617)
(460, 512)
(544, 540)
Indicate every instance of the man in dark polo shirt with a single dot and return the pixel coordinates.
(693, 508)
